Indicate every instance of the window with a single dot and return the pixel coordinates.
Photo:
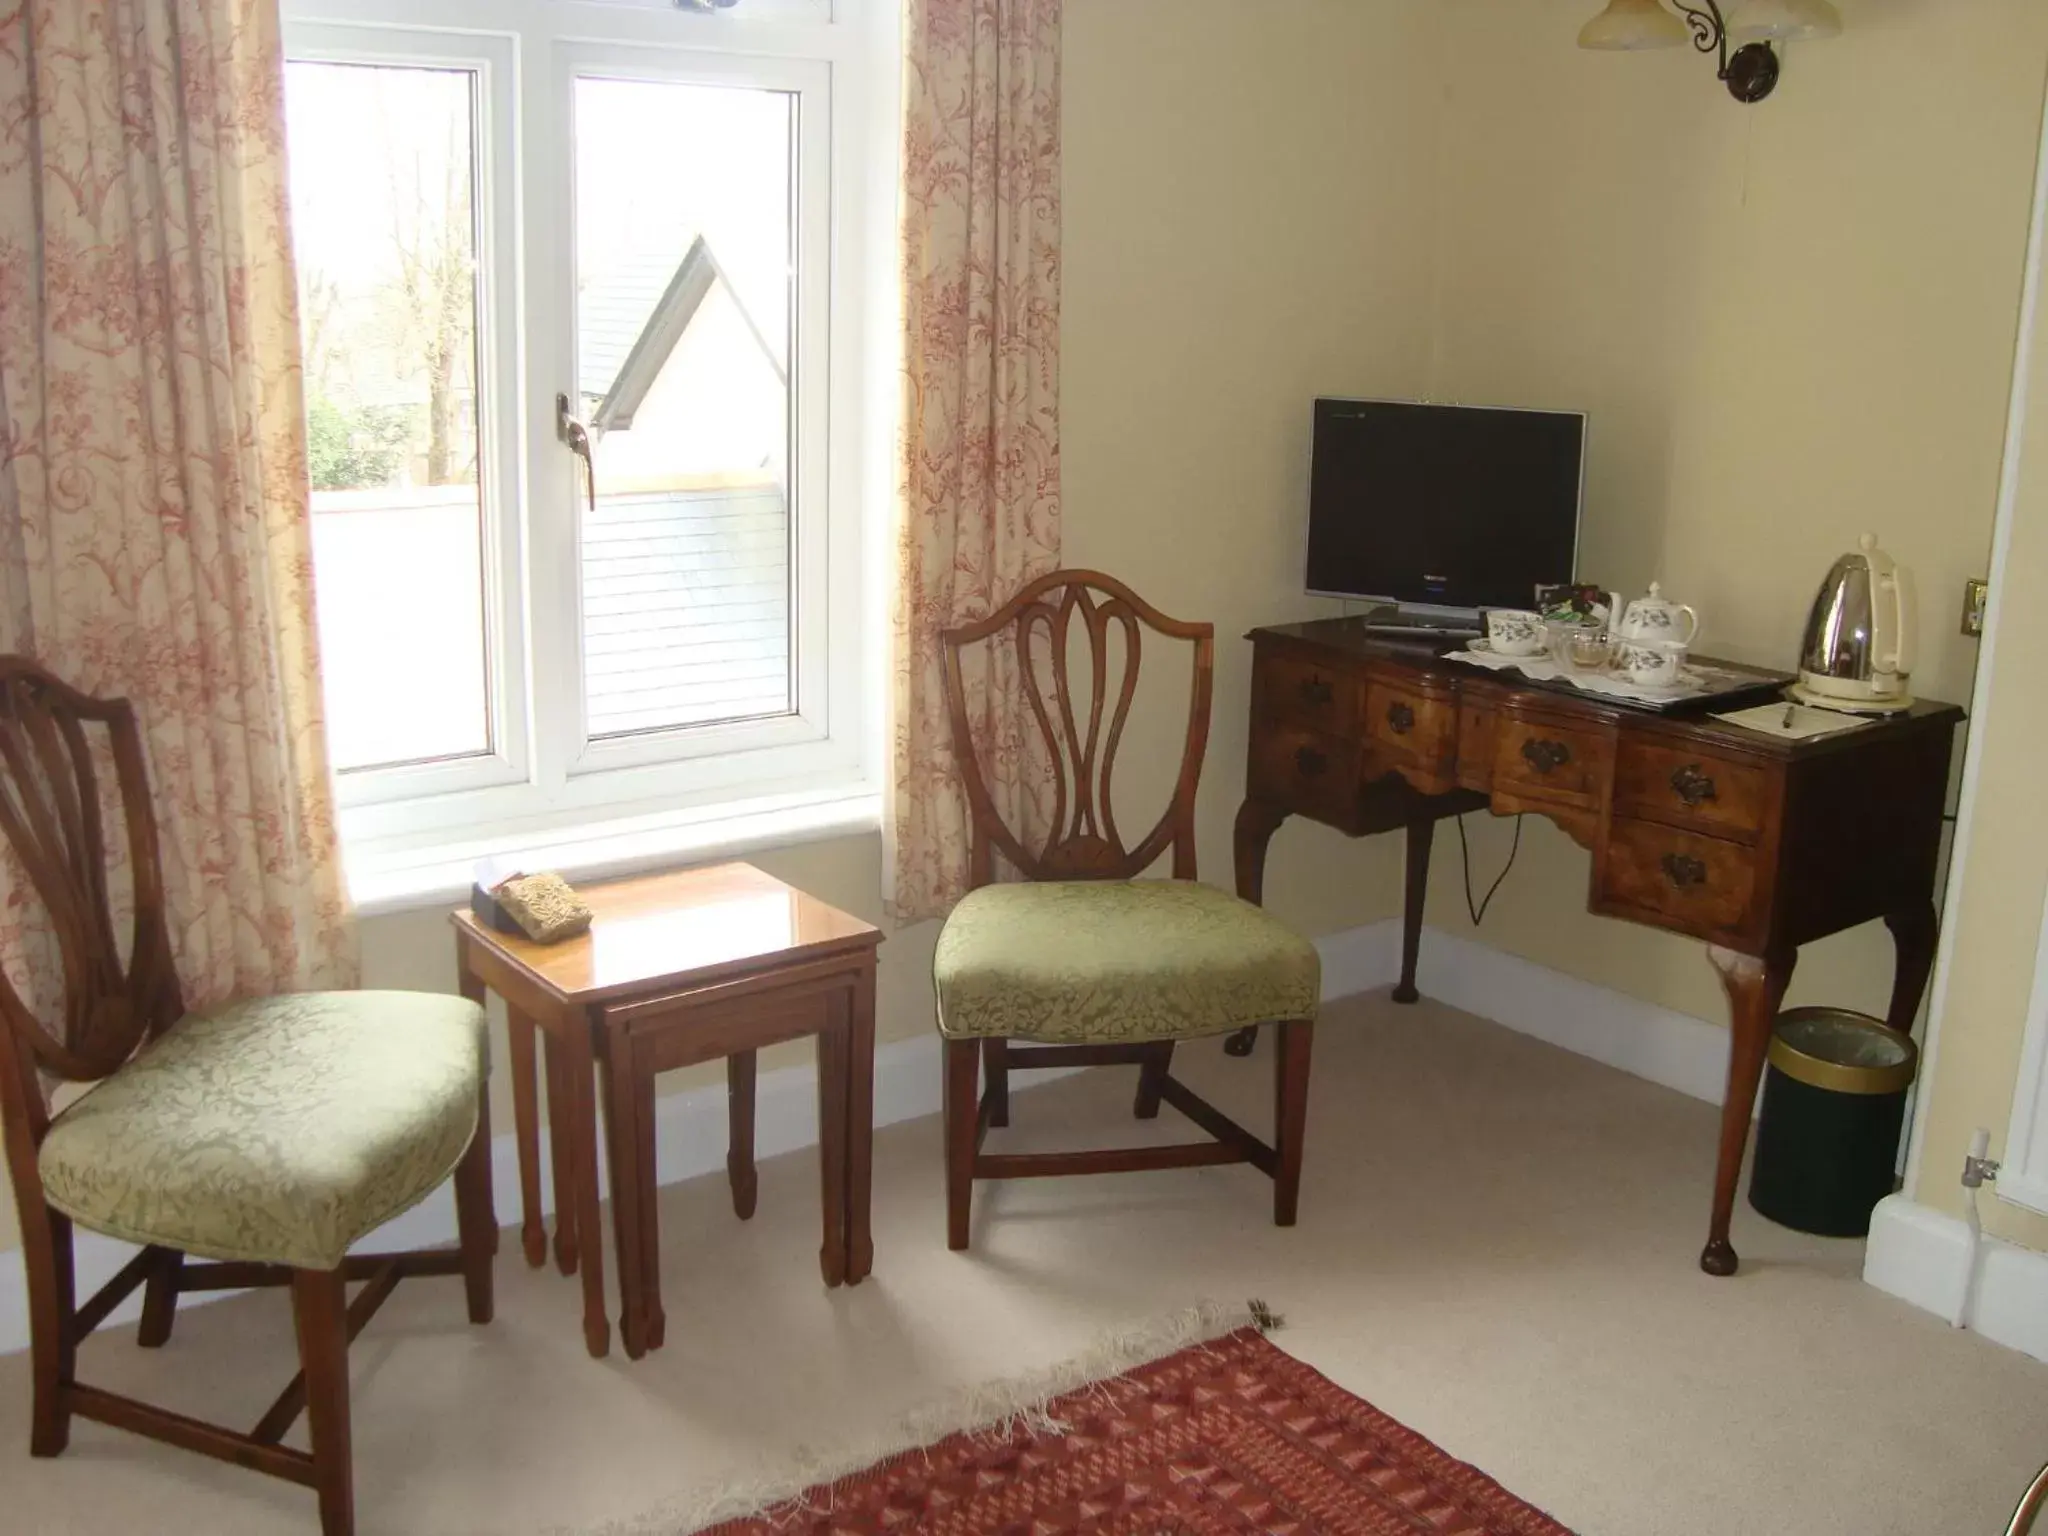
(579, 293)
(383, 167)
(682, 356)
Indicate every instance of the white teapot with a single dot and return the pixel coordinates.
(1656, 618)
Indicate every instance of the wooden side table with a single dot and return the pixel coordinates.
(678, 969)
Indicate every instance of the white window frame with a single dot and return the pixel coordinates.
(809, 82)
(544, 782)
(501, 477)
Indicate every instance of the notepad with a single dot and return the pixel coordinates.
(1794, 722)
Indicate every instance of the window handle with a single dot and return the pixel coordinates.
(577, 436)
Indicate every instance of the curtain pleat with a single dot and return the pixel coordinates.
(980, 463)
(155, 538)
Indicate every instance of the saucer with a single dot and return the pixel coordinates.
(1689, 680)
(1485, 647)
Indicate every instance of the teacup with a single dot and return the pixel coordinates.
(1653, 664)
(1585, 649)
(1516, 632)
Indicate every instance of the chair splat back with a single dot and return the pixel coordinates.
(1082, 841)
(51, 816)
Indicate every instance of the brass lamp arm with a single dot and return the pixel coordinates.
(1750, 72)
(1709, 29)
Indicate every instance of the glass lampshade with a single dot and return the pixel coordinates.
(1784, 21)
(1633, 24)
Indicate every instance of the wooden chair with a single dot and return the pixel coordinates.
(265, 1137)
(1085, 965)
(2032, 1502)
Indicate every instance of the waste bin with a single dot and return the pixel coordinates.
(1834, 1103)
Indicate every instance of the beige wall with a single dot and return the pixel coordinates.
(1997, 902)
(1791, 323)
(1246, 195)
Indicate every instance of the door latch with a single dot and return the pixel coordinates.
(577, 437)
(1976, 597)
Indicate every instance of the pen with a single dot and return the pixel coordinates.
(1789, 710)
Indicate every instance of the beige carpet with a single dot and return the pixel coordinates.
(1497, 1247)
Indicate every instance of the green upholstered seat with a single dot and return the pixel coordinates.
(1115, 961)
(279, 1130)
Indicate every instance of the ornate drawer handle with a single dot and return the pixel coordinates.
(1683, 870)
(1401, 718)
(1312, 763)
(1316, 690)
(1692, 786)
(1544, 755)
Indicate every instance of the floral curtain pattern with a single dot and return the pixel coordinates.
(154, 532)
(980, 463)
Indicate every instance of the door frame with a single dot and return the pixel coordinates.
(2031, 1095)
(2024, 1178)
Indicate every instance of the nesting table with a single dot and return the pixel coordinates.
(678, 969)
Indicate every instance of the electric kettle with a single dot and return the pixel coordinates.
(1860, 637)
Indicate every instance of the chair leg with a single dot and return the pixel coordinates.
(46, 1253)
(1290, 1115)
(320, 1311)
(995, 1064)
(963, 1058)
(160, 1300)
(1152, 1079)
(476, 1216)
(1241, 1043)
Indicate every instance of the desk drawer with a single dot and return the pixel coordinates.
(1300, 691)
(1409, 726)
(1477, 724)
(1675, 879)
(1717, 794)
(1306, 771)
(1553, 762)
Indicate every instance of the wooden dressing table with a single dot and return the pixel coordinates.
(1753, 843)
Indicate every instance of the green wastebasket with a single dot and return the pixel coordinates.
(1834, 1103)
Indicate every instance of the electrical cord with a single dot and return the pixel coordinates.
(1478, 913)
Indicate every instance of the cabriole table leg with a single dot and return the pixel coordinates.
(1755, 986)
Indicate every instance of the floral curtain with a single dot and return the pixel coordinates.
(154, 530)
(980, 466)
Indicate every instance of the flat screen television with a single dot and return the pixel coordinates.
(1448, 507)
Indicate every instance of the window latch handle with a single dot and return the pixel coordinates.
(577, 436)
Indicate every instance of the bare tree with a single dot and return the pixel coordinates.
(433, 236)
(319, 299)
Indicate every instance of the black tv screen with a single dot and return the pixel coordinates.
(1443, 505)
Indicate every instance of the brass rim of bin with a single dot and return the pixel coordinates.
(1835, 1076)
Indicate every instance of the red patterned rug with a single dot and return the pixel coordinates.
(1232, 1435)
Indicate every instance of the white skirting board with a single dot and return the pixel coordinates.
(1921, 1255)
(1666, 1047)
(1673, 1049)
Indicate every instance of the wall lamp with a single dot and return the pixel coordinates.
(1751, 70)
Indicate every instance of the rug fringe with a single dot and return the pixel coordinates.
(995, 1408)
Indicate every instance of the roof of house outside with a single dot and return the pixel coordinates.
(630, 319)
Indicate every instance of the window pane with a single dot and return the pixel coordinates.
(384, 224)
(683, 326)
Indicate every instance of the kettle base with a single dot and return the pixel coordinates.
(1863, 706)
